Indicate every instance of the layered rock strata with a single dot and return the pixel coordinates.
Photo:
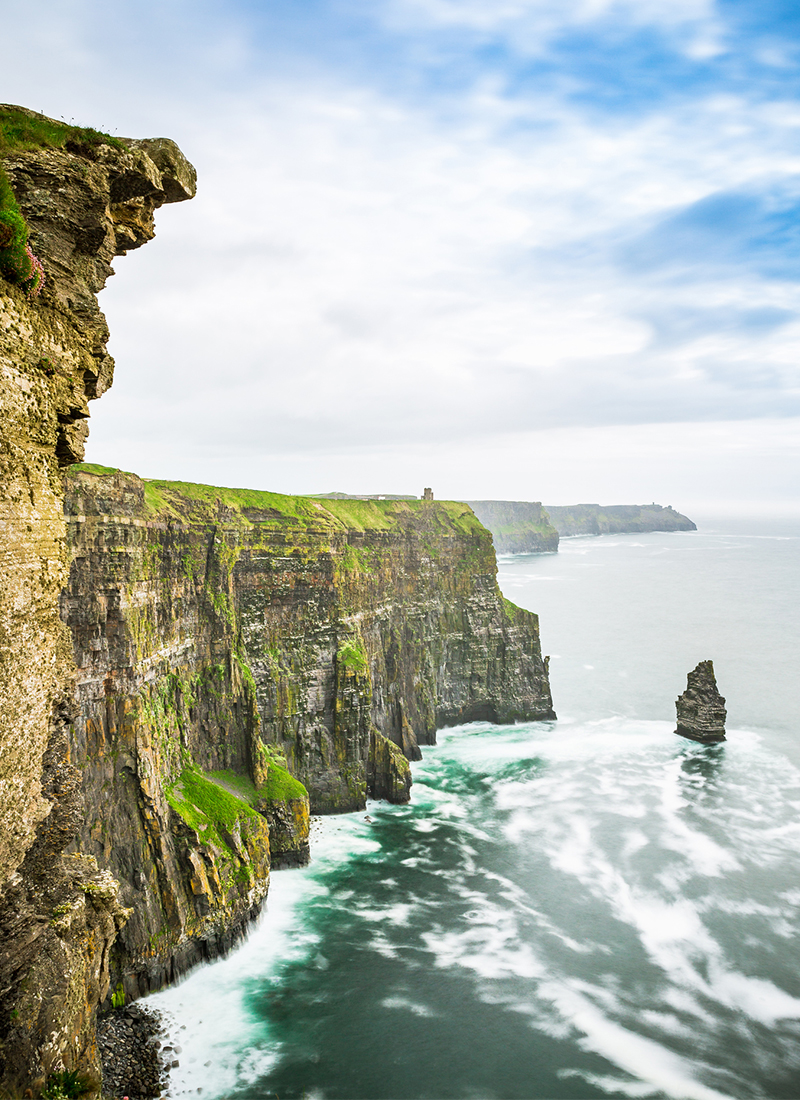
(84, 205)
(260, 642)
(193, 669)
(517, 526)
(701, 708)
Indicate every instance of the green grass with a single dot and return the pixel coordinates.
(170, 499)
(205, 806)
(20, 132)
(96, 469)
(352, 655)
(513, 612)
(17, 263)
(67, 1085)
(242, 784)
(280, 785)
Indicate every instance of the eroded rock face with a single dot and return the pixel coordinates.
(701, 708)
(59, 916)
(83, 207)
(288, 822)
(517, 526)
(232, 629)
(202, 637)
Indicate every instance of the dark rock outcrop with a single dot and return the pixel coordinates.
(701, 708)
(135, 1061)
(616, 519)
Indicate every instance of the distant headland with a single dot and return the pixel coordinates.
(527, 527)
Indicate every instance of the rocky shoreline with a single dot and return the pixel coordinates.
(134, 1054)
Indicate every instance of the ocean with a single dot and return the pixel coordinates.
(590, 907)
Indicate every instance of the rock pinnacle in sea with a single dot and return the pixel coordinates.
(701, 708)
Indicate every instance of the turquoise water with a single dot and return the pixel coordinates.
(585, 908)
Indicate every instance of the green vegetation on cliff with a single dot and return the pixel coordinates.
(616, 519)
(207, 807)
(21, 131)
(196, 503)
(272, 645)
(351, 655)
(517, 526)
(280, 785)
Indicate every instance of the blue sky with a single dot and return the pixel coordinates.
(540, 249)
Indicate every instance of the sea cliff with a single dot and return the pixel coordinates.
(616, 519)
(250, 640)
(522, 527)
(76, 199)
(517, 526)
(186, 672)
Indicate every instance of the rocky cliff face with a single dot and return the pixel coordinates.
(185, 671)
(701, 708)
(230, 638)
(84, 204)
(517, 526)
(616, 519)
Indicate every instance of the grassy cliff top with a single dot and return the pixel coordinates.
(191, 502)
(22, 129)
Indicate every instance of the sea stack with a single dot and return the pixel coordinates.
(701, 708)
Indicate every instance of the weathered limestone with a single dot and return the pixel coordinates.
(701, 708)
(83, 207)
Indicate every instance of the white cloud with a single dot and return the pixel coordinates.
(355, 271)
(548, 16)
(364, 267)
(531, 27)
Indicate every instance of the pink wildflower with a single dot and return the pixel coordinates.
(37, 275)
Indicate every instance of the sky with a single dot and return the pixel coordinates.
(511, 249)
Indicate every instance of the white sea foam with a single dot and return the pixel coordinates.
(408, 1005)
(208, 1015)
(587, 779)
(644, 1059)
(398, 913)
(592, 775)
